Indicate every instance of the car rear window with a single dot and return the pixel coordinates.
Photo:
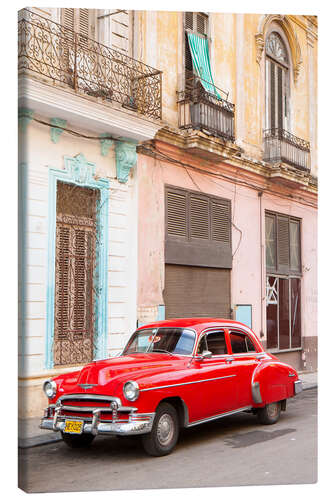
(241, 343)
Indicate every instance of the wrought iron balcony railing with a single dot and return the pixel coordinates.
(281, 146)
(206, 111)
(64, 56)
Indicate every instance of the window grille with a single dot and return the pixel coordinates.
(75, 270)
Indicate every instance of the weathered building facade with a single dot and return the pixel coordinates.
(168, 167)
(84, 105)
(230, 184)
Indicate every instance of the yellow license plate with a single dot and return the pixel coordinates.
(73, 426)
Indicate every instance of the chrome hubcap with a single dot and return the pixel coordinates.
(272, 410)
(165, 429)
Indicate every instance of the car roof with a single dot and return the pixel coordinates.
(198, 324)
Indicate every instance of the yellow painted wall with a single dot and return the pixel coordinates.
(235, 70)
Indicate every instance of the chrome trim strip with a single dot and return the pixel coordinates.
(256, 394)
(143, 328)
(186, 383)
(298, 386)
(226, 414)
(97, 397)
(100, 408)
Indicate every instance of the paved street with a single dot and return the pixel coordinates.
(233, 451)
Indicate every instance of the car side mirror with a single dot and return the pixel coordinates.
(205, 355)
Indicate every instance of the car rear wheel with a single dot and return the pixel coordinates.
(270, 413)
(164, 435)
(80, 441)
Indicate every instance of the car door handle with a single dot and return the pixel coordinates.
(229, 360)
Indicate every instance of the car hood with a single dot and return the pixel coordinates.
(108, 374)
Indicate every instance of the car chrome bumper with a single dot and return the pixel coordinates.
(137, 424)
(298, 386)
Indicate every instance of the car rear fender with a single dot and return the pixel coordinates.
(272, 381)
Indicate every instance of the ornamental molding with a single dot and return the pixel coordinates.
(126, 157)
(286, 26)
(105, 143)
(81, 171)
(56, 131)
(276, 48)
(25, 115)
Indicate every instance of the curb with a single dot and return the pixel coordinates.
(310, 386)
(38, 441)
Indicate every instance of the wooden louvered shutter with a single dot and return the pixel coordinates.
(283, 244)
(279, 98)
(270, 241)
(199, 217)
(176, 215)
(188, 26)
(201, 24)
(221, 221)
(198, 229)
(189, 21)
(74, 269)
(197, 22)
(68, 18)
(67, 41)
(83, 26)
(295, 246)
(81, 21)
(62, 245)
(272, 95)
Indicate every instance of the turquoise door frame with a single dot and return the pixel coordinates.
(80, 172)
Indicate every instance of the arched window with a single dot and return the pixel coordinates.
(277, 82)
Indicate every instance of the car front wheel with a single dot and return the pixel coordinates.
(79, 441)
(270, 413)
(164, 435)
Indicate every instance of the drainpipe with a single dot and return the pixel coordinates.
(260, 193)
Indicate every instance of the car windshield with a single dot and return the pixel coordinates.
(170, 340)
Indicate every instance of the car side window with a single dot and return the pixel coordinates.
(216, 343)
(241, 343)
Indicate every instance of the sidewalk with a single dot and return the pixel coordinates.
(30, 435)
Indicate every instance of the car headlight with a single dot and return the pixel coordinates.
(131, 390)
(50, 388)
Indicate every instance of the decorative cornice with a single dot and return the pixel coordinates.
(105, 143)
(290, 33)
(83, 111)
(25, 116)
(126, 158)
(55, 131)
(210, 151)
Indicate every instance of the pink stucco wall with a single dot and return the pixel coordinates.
(246, 274)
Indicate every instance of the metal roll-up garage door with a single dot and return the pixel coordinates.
(192, 291)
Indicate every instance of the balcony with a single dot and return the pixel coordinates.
(282, 147)
(72, 60)
(205, 111)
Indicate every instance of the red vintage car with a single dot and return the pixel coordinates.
(171, 374)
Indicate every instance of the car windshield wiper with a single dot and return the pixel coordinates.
(162, 350)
